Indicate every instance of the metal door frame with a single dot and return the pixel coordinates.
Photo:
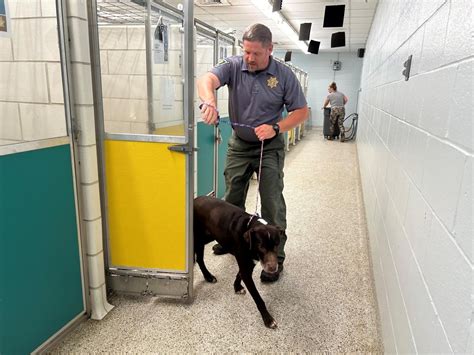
(179, 285)
(209, 32)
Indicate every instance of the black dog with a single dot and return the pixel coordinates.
(245, 236)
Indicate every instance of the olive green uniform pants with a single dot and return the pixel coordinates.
(243, 159)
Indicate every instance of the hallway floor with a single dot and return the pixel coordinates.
(324, 300)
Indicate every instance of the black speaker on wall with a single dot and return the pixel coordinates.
(305, 30)
(334, 16)
(313, 47)
(277, 5)
(361, 52)
(338, 39)
(288, 56)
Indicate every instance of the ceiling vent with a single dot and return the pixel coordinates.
(209, 3)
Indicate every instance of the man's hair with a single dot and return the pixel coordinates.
(258, 33)
(333, 86)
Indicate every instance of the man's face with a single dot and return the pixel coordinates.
(256, 56)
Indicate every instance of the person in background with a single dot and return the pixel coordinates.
(259, 88)
(337, 100)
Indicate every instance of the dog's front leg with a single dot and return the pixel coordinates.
(245, 271)
(199, 250)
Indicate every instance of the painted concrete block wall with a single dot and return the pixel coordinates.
(91, 217)
(321, 74)
(415, 146)
(31, 89)
(124, 80)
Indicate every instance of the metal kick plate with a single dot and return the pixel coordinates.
(149, 286)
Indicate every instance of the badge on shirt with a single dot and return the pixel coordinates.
(222, 62)
(272, 82)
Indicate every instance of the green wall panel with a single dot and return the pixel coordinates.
(40, 278)
(226, 132)
(205, 158)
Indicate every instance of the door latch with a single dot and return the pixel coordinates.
(182, 148)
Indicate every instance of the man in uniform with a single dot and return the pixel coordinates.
(259, 88)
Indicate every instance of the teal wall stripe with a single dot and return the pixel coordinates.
(226, 132)
(40, 278)
(205, 158)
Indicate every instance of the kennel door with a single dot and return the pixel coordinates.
(147, 146)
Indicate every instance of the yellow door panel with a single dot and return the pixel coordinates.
(146, 195)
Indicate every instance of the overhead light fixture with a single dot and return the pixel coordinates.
(267, 9)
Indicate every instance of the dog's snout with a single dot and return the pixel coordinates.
(270, 263)
(272, 268)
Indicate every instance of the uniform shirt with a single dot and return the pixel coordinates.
(258, 98)
(336, 99)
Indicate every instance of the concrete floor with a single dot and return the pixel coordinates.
(323, 302)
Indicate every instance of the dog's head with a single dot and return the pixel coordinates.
(264, 240)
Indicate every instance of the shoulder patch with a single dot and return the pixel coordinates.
(221, 63)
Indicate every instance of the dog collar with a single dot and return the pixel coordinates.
(261, 220)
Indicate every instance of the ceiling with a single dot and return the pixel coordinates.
(235, 15)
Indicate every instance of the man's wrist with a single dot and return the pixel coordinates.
(276, 128)
(209, 104)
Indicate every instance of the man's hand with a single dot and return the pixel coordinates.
(265, 131)
(209, 113)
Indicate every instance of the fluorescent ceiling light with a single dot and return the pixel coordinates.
(267, 9)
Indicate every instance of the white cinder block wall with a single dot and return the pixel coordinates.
(124, 80)
(415, 146)
(31, 91)
(320, 75)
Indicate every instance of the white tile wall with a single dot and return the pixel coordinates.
(48, 8)
(124, 80)
(91, 198)
(113, 37)
(42, 121)
(10, 124)
(94, 232)
(415, 147)
(88, 164)
(35, 39)
(83, 87)
(79, 48)
(136, 37)
(24, 8)
(55, 83)
(459, 33)
(126, 110)
(442, 177)
(86, 125)
(6, 49)
(127, 62)
(460, 125)
(23, 82)
(464, 224)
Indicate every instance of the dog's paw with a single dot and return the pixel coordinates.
(211, 279)
(270, 323)
(241, 291)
